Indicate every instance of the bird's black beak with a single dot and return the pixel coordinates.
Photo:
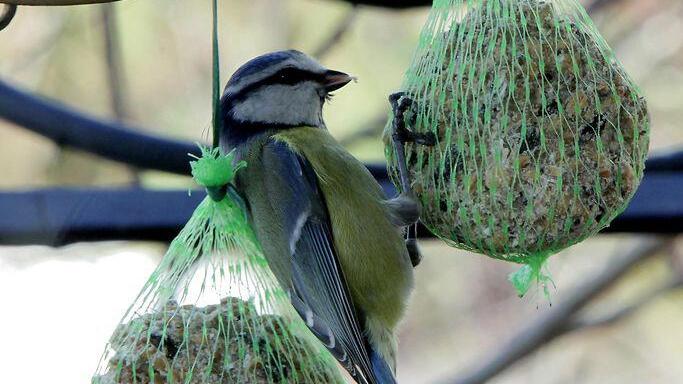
(334, 80)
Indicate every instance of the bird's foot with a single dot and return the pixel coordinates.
(400, 104)
(404, 210)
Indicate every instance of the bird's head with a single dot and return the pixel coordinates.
(278, 90)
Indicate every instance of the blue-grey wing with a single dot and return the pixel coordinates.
(316, 285)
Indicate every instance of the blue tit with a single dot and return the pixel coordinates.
(329, 234)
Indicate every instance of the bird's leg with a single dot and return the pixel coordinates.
(400, 104)
(408, 209)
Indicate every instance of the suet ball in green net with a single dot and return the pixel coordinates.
(541, 134)
(212, 311)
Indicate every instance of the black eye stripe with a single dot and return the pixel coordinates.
(292, 75)
(285, 76)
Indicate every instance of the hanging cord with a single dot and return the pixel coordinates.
(215, 97)
(7, 15)
(218, 192)
(217, 188)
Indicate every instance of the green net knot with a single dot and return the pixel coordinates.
(214, 171)
(532, 271)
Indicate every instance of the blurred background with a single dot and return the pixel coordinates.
(148, 63)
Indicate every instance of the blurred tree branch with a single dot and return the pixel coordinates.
(55, 2)
(336, 36)
(577, 324)
(560, 318)
(113, 55)
(114, 68)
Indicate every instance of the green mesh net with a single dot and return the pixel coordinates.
(212, 312)
(541, 136)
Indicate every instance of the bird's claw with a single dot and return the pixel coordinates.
(395, 97)
(401, 104)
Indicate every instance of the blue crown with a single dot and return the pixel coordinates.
(259, 63)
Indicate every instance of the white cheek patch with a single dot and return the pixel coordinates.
(281, 104)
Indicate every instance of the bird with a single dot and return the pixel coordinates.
(332, 238)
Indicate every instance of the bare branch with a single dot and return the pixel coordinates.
(115, 74)
(338, 33)
(113, 55)
(552, 324)
(577, 324)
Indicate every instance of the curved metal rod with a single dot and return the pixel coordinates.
(7, 15)
(111, 140)
(56, 2)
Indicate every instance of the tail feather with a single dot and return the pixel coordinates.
(323, 333)
(381, 370)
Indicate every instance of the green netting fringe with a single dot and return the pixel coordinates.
(212, 312)
(541, 134)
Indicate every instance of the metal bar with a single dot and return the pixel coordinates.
(57, 217)
(8, 13)
(108, 139)
(55, 2)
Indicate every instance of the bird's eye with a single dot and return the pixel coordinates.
(290, 76)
